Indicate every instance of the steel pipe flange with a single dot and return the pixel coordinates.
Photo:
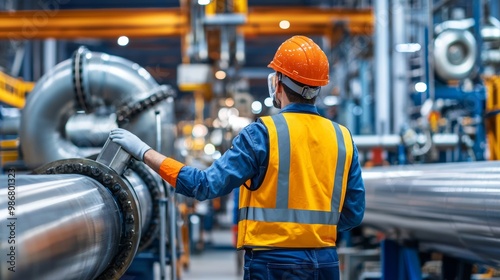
(124, 196)
(80, 80)
(454, 54)
(88, 81)
(150, 233)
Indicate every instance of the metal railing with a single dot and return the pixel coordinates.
(13, 91)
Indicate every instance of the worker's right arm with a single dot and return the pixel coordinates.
(354, 202)
(245, 159)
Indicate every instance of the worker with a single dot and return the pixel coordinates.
(299, 174)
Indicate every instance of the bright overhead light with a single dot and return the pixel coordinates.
(256, 107)
(420, 87)
(209, 149)
(284, 24)
(123, 41)
(268, 102)
(203, 2)
(229, 102)
(408, 48)
(330, 100)
(199, 131)
(220, 75)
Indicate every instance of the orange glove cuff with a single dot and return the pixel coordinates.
(169, 170)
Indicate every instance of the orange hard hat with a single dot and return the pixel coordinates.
(302, 60)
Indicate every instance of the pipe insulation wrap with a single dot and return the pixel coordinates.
(67, 227)
(452, 208)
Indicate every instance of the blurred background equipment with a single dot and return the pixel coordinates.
(416, 82)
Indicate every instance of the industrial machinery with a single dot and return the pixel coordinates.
(450, 208)
(443, 90)
(61, 111)
(415, 92)
(87, 211)
(79, 218)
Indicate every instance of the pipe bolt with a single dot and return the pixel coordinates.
(123, 196)
(130, 219)
(115, 188)
(95, 172)
(107, 179)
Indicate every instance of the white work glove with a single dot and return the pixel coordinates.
(129, 142)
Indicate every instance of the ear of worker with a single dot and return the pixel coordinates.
(129, 142)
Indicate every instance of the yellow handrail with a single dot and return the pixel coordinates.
(13, 91)
(9, 151)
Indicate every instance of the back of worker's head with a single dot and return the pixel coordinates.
(302, 68)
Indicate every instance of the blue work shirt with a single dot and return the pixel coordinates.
(248, 158)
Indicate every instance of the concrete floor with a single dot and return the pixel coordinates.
(212, 265)
(217, 262)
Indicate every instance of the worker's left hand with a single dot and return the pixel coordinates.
(129, 142)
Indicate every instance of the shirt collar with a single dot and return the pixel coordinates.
(300, 108)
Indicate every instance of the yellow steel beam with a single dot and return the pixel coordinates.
(103, 23)
(306, 20)
(112, 23)
(240, 6)
(11, 144)
(185, 36)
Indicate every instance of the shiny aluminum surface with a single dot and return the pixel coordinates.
(67, 227)
(392, 141)
(114, 156)
(9, 126)
(111, 81)
(454, 54)
(450, 208)
(143, 196)
(89, 130)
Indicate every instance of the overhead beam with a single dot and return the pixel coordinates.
(112, 23)
(97, 23)
(307, 20)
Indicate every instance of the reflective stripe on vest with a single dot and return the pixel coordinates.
(284, 156)
(290, 215)
(281, 213)
(300, 198)
(339, 173)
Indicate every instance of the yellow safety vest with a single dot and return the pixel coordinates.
(299, 202)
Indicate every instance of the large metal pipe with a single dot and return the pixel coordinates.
(399, 67)
(88, 79)
(449, 208)
(83, 221)
(63, 227)
(147, 187)
(441, 141)
(143, 196)
(90, 130)
(10, 126)
(382, 73)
